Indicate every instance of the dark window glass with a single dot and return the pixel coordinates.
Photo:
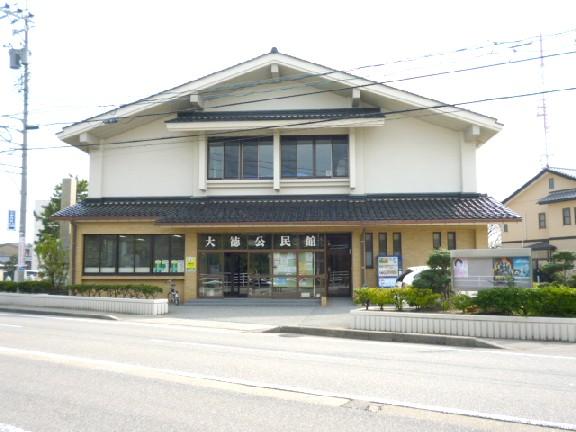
(566, 217)
(551, 183)
(125, 254)
(91, 254)
(436, 240)
(451, 240)
(161, 254)
(235, 158)
(265, 160)
(369, 248)
(231, 160)
(142, 253)
(176, 253)
(305, 158)
(382, 244)
(259, 263)
(505, 227)
(108, 246)
(215, 161)
(314, 156)
(288, 157)
(250, 161)
(397, 244)
(210, 263)
(323, 159)
(541, 220)
(340, 157)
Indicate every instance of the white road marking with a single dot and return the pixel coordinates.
(10, 428)
(10, 325)
(260, 388)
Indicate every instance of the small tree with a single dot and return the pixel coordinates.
(50, 227)
(438, 277)
(562, 262)
(53, 260)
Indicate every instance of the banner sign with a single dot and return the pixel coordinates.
(388, 268)
(11, 220)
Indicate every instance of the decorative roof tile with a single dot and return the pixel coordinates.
(300, 114)
(398, 208)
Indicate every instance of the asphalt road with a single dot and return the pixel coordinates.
(67, 374)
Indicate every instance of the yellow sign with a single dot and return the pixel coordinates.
(190, 264)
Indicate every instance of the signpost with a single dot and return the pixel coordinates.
(388, 267)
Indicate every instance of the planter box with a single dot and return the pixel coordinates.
(482, 326)
(100, 304)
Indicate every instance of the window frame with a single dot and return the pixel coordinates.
(551, 183)
(241, 142)
(436, 240)
(566, 216)
(151, 255)
(542, 220)
(505, 228)
(383, 241)
(451, 240)
(284, 140)
(397, 244)
(369, 250)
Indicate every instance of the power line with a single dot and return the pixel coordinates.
(371, 83)
(455, 106)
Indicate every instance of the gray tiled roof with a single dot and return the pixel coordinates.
(297, 209)
(301, 114)
(559, 195)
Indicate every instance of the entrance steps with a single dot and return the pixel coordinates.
(254, 302)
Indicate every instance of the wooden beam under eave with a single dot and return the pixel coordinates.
(472, 134)
(275, 71)
(355, 98)
(88, 138)
(195, 101)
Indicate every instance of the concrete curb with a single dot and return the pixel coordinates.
(58, 313)
(460, 341)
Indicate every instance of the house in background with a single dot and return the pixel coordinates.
(276, 177)
(547, 204)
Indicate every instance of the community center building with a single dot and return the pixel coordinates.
(276, 177)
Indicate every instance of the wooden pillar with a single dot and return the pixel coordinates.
(190, 277)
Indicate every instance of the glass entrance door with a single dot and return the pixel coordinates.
(338, 268)
(236, 281)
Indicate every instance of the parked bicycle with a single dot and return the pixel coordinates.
(173, 295)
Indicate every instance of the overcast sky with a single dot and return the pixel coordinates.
(89, 56)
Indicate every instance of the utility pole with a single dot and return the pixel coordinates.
(543, 113)
(18, 58)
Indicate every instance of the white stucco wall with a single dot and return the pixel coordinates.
(410, 156)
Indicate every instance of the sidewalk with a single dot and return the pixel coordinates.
(332, 320)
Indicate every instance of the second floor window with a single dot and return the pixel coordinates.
(240, 158)
(541, 220)
(566, 217)
(314, 156)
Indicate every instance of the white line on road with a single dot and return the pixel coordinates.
(10, 428)
(10, 325)
(259, 388)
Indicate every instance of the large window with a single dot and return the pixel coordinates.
(314, 156)
(112, 253)
(240, 158)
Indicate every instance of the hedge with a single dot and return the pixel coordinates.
(89, 290)
(546, 301)
(31, 287)
(419, 298)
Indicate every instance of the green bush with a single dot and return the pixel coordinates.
(461, 302)
(31, 287)
(548, 300)
(126, 291)
(362, 297)
(421, 298)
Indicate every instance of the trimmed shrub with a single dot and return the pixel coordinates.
(31, 287)
(421, 298)
(461, 302)
(88, 290)
(362, 297)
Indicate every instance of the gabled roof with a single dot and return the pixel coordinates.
(562, 172)
(323, 209)
(176, 99)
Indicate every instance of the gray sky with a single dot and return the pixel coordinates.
(89, 56)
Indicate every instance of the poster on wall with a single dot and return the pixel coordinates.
(521, 267)
(190, 264)
(503, 271)
(388, 267)
(460, 268)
